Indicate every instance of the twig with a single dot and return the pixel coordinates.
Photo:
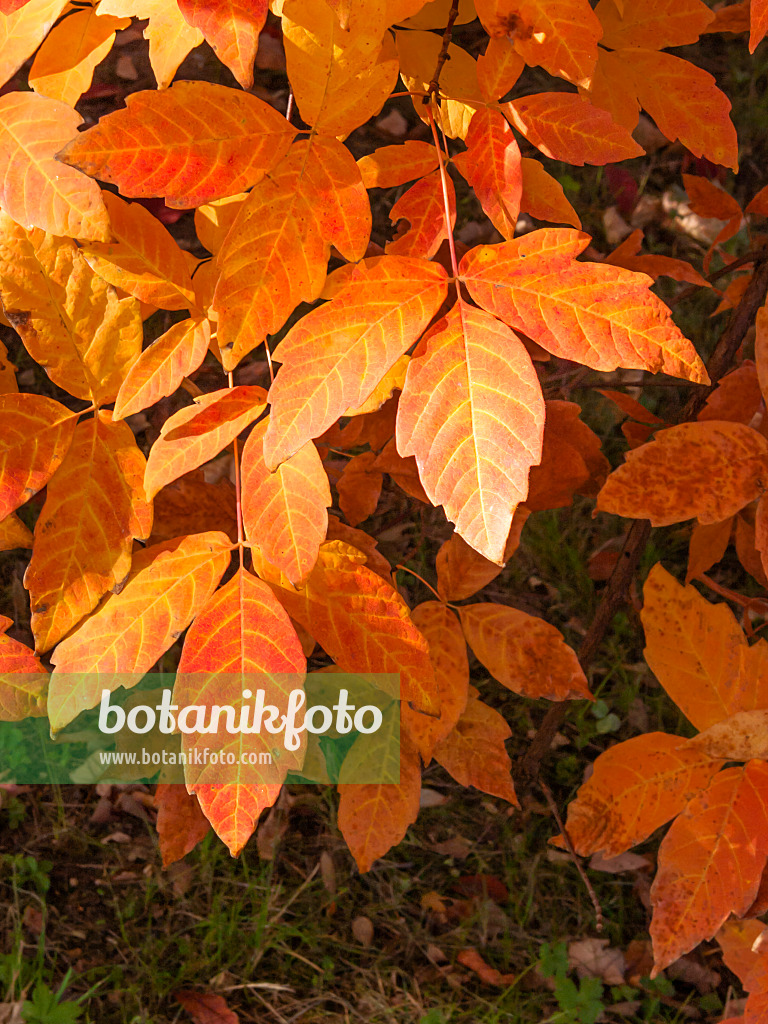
(569, 846)
(442, 57)
(692, 289)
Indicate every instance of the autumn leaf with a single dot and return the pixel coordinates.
(162, 366)
(71, 321)
(23, 680)
(63, 66)
(758, 23)
(499, 68)
(276, 253)
(492, 166)
(213, 221)
(142, 259)
(363, 623)
(14, 534)
(23, 26)
(36, 190)
(242, 632)
(169, 35)
(636, 787)
(285, 512)
(206, 1008)
(197, 433)
(597, 315)
(359, 488)
(660, 482)
(653, 25)
(474, 753)
(232, 28)
(472, 414)
(543, 196)
(35, 435)
(462, 571)
(707, 546)
(181, 825)
(395, 165)
(191, 144)
(94, 507)
(422, 207)
(8, 382)
(334, 357)
(130, 631)
(525, 653)
(418, 52)
(710, 861)
(571, 460)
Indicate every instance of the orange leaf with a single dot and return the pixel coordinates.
(472, 414)
(693, 648)
(160, 369)
(559, 35)
(23, 27)
(571, 460)
(241, 631)
(23, 680)
(685, 103)
(395, 165)
(375, 817)
(197, 433)
(94, 507)
(448, 654)
(611, 90)
(422, 206)
(403, 471)
(8, 383)
(707, 546)
(192, 143)
(232, 28)
(597, 315)
(660, 481)
(35, 434)
(707, 200)
(635, 788)
(525, 653)
(213, 222)
(492, 166)
(14, 534)
(461, 571)
(340, 77)
(566, 127)
(499, 68)
(740, 737)
(191, 505)
(63, 66)
(543, 196)
(654, 24)
(359, 488)
(336, 355)
(276, 254)
(736, 398)
(130, 631)
(474, 753)
(143, 259)
(471, 958)
(170, 36)
(710, 861)
(206, 1008)
(744, 953)
(431, 14)
(36, 190)
(758, 23)
(71, 321)
(285, 512)
(734, 18)
(365, 544)
(181, 825)
(418, 52)
(363, 623)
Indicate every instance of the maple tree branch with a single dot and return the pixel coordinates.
(569, 846)
(614, 595)
(442, 57)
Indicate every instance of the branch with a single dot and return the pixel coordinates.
(442, 57)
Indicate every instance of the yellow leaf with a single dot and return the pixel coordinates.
(22, 32)
(169, 34)
(418, 52)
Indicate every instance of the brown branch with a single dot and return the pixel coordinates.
(442, 57)
(615, 593)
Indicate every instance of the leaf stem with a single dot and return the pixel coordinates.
(444, 183)
(422, 580)
(238, 501)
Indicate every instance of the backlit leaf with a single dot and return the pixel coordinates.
(8, 384)
(395, 165)
(64, 64)
(168, 585)
(94, 507)
(335, 356)
(661, 482)
(170, 36)
(359, 488)
(571, 460)
(543, 196)
(433, 14)
(492, 166)
(559, 35)
(654, 24)
(525, 653)
(23, 680)
(363, 623)
(35, 434)
(285, 512)
(232, 28)
(499, 68)
(71, 321)
(14, 534)
(196, 433)
(22, 28)
(191, 505)
(143, 259)
(474, 753)
(758, 23)
(597, 315)
(192, 143)
(214, 220)
(418, 52)
(737, 396)
(462, 571)
(612, 90)
(160, 369)
(181, 825)
(740, 737)
(635, 787)
(422, 206)
(276, 254)
(36, 190)
(472, 414)
(710, 861)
